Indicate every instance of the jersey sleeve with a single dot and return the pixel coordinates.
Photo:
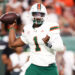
(57, 43)
(23, 37)
(55, 38)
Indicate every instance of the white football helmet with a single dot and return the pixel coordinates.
(38, 13)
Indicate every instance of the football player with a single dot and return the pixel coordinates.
(44, 40)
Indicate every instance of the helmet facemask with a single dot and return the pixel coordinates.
(38, 18)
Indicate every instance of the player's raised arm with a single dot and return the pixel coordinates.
(13, 41)
(10, 19)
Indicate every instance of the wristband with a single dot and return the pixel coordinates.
(48, 44)
(12, 28)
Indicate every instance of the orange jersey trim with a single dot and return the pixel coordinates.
(54, 28)
(39, 6)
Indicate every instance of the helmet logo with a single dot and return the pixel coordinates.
(39, 6)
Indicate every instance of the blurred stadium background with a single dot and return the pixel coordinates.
(60, 11)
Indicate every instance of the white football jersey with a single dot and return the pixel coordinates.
(42, 55)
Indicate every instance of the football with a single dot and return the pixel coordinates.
(8, 18)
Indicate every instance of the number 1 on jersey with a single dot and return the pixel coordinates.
(36, 44)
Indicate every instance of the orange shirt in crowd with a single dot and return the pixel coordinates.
(58, 10)
(68, 3)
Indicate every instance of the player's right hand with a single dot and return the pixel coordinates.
(12, 25)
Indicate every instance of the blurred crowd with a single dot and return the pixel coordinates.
(59, 11)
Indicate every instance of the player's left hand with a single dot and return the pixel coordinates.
(46, 39)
